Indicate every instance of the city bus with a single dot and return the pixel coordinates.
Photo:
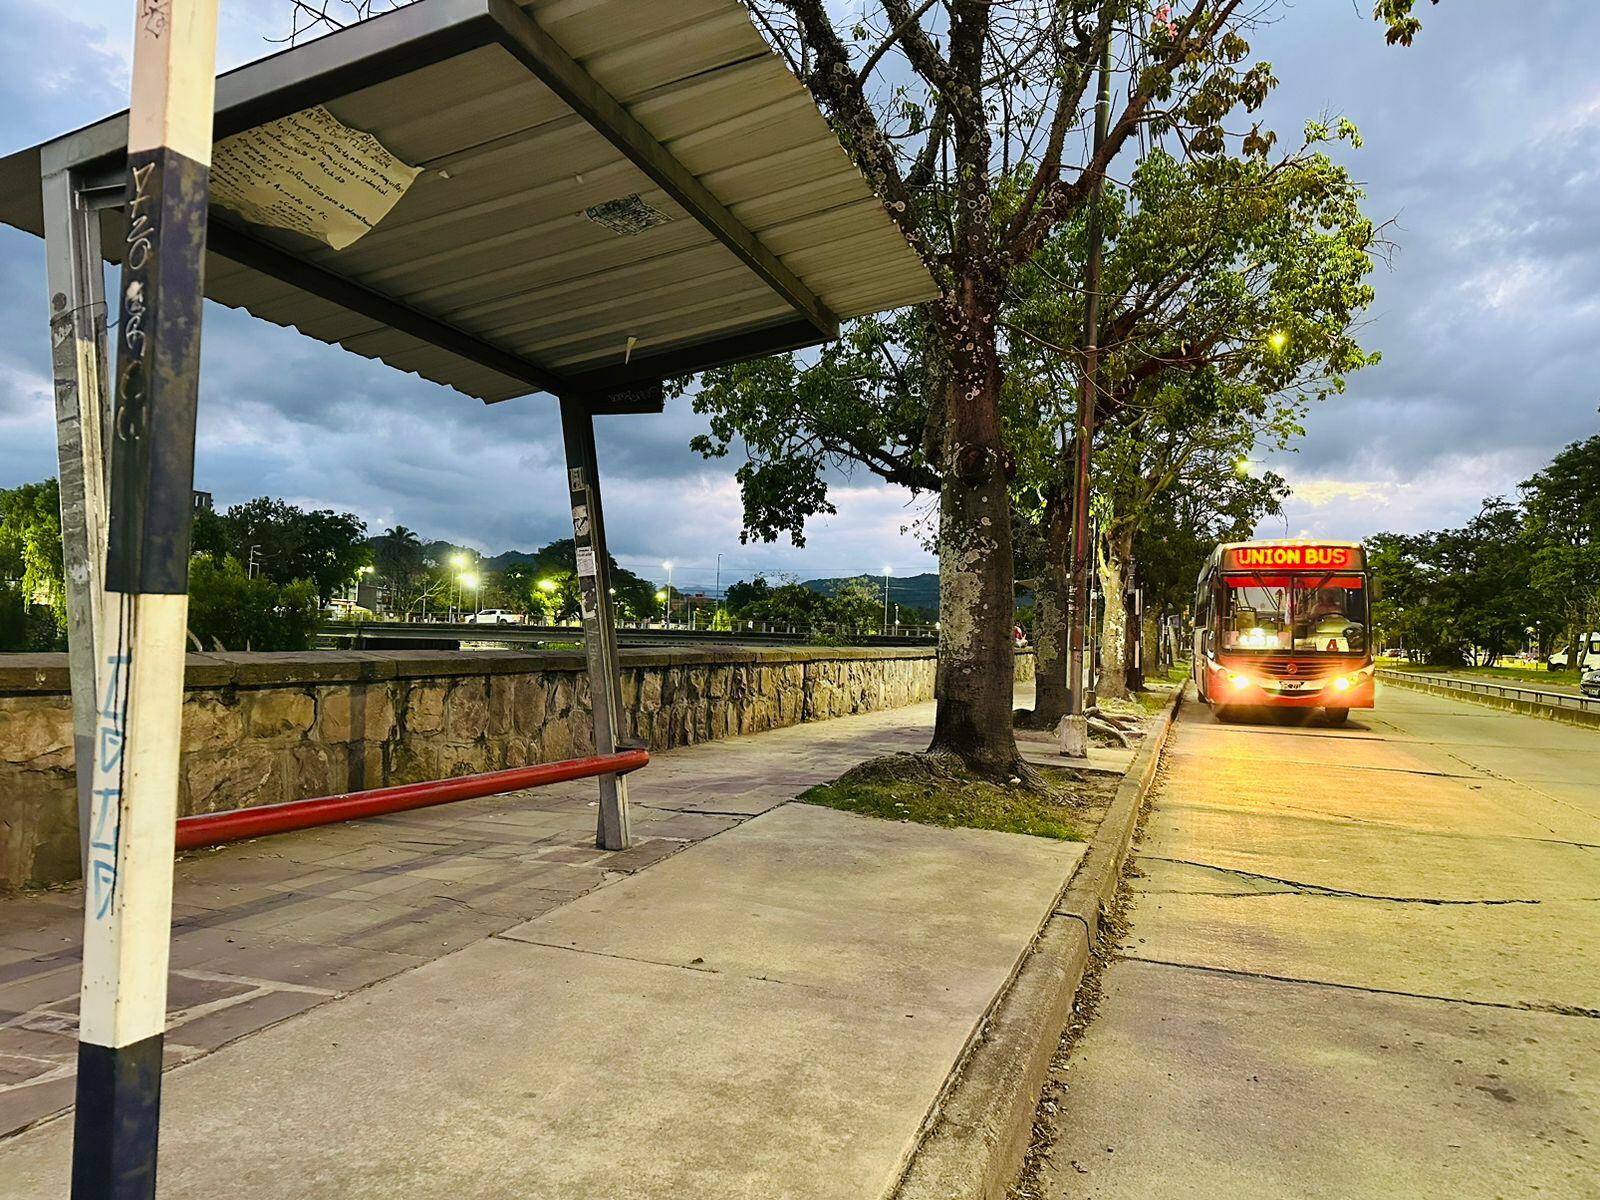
(1284, 624)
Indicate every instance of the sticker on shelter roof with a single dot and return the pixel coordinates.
(310, 173)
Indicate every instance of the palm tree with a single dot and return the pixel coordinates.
(397, 554)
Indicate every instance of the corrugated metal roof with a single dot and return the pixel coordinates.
(492, 238)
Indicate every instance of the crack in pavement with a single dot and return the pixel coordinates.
(1318, 889)
(1559, 1010)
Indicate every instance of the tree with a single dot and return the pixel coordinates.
(231, 611)
(33, 598)
(1562, 503)
(397, 555)
(556, 563)
(290, 543)
(1230, 294)
(1456, 595)
(742, 595)
(938, 106)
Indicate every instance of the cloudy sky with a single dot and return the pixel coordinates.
(1482, 141)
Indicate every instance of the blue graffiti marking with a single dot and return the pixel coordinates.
(107, 806)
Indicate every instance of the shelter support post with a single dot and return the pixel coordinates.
(78, 355)
(140, 641)
(599, 625)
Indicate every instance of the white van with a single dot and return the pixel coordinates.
(1585, 655)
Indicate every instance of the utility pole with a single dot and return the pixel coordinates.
(1075, 729)
(141, 640)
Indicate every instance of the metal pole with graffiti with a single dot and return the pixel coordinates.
(141, 640)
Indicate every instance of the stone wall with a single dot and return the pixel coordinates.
(265, 728)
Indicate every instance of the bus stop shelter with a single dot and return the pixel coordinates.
(579, 198)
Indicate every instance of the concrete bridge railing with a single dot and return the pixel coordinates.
(265, 728)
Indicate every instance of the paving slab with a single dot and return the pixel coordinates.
(1192, 1083)
(766, 1014)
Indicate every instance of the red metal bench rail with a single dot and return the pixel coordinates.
(213, 829)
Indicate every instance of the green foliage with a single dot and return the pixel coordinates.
(231, 610)
(1456, 596)
(854, 608)
(291, 543)
(556, 563)
(862, 401)
(1400, 16)
(33, 598)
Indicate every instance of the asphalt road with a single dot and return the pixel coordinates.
(1362, 962)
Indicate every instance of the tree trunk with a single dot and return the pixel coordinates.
(1050, 615)
(1113, 570)
(977, 595)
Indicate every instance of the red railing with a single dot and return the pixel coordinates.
(213, 829)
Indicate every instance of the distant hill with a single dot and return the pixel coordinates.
(916, 591)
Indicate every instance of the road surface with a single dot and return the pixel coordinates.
(1362, 962)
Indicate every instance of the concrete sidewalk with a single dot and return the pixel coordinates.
(770, 1012)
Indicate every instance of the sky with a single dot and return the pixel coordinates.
(1482, 144)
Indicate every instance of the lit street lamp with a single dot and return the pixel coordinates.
(473, 582)
(667, 566)
(662, 598)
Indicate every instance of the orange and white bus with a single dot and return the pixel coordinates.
(1284, 624)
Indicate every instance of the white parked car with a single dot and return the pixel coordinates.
(1585, 653)
(1589, 685)
(495, 616)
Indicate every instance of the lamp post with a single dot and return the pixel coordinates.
(473, 582)
(548, 587)
(661, 596)
(668, 567)
(459, 562)
(887, 571)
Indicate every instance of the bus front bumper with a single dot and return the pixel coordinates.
(1352, 690)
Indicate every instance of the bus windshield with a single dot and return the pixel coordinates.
(1299, 613)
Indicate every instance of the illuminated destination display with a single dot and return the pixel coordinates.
(1310, 558)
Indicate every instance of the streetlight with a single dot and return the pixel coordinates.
(667, 566)
(458, 561)
(1279, 339)
(548, 587)
(887, 571)
(661, 598)
(472, 582)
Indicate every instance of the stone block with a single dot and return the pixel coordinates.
(360, 712)
(502, 704)
(469, 710)
(38, 827)
(211, 721)
(529, 704)
(279, 714)
(425, 708)
(463, 758)
(36, 731)
(557, 741)
(240, 777)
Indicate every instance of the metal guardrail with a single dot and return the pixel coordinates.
(1569, 701)
(359, 633)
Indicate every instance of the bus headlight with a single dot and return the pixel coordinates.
(1240, 682)
(1342, 684)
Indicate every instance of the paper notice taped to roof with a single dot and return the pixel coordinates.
(309, 173)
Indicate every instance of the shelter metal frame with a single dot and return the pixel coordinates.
(83, 173)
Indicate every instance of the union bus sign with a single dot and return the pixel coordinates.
(1306, 558)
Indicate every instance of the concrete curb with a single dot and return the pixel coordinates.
(1456, 689)
(977, 1133)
